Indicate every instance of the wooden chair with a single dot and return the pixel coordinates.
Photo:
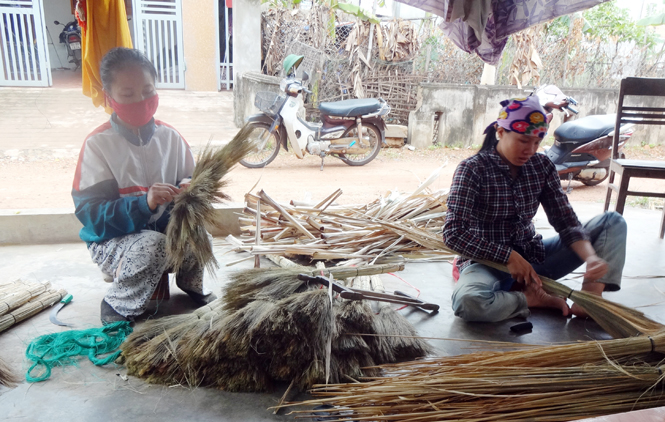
(626, 168)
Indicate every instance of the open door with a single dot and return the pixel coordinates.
(23, 57)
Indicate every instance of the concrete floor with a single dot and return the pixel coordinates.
(89, 393)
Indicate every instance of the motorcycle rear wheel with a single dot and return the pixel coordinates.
(266, 153)
(372, 136)
(598, 182)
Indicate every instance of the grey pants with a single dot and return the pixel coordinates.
(136, 262)
(483, 293)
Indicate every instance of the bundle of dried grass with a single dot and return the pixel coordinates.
(7, 377)
(278, 283)
(497, 393)
(267, 327)
(193, 208)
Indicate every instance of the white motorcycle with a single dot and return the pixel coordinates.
(351, 130)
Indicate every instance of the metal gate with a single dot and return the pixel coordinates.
(23, 58)
(158, 33)
(226, 43)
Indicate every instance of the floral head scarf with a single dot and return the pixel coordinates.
(523, 115)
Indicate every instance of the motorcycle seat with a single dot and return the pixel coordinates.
(350, 108)
(585, 129)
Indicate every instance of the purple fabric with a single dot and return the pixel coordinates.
(523, 115)
(507, 17)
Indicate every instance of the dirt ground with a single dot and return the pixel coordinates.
(45, 182)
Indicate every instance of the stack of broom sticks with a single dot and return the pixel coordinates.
(269, 326)
(20, 300)
(326, 231)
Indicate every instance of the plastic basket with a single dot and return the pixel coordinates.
(269, 102)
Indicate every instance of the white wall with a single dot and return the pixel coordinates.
(57, 10)
(246, 37)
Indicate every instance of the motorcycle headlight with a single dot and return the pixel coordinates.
(293, 89)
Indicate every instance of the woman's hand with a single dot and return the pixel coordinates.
(521, 270)
(596, 268)
(184, 183)
(161, 193)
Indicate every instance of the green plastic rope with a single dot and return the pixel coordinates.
(61, 349)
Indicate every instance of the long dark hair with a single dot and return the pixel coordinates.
(120, 58)
(490, 139)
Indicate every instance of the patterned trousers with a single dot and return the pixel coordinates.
(136, 263)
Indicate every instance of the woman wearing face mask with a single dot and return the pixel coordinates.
(493, 199)
(129, 170)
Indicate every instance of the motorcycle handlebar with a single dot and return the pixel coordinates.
(573, 109)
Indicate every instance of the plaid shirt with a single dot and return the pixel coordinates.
(490, 214)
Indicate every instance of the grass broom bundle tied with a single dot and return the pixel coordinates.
(500, 393)
(278, 283)
(545, 394)
(17, 293)
(268, 326)
(193, 207)
(35, 306)
(150, 338)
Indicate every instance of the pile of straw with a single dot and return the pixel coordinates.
(193, 209)
(554, 383)
(325, 231)
(7, 377)
(20, 300)
(268, 327)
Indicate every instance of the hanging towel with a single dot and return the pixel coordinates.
(105, 27)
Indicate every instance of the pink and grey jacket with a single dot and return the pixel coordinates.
(115, 171)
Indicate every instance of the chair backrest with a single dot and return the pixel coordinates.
(639, 87)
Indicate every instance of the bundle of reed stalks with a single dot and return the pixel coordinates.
(445, 391)
(325, 231)
(545, 383)
(19, 292)
(269, 326)
(7, 377)
(19, 300)
(193, 208)
(33, 307)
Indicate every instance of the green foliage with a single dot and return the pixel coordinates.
(351, 9)
(605, 22)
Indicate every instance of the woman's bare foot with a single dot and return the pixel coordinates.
(536, 297)
(592, 287)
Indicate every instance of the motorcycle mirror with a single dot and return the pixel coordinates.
(305, 75)
(56, 22)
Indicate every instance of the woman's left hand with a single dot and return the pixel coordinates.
(184, 183)
(596, 268)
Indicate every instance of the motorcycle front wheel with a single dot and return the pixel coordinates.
(370, 140)
(267, 147)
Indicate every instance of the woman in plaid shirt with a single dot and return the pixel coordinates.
(493, 199)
